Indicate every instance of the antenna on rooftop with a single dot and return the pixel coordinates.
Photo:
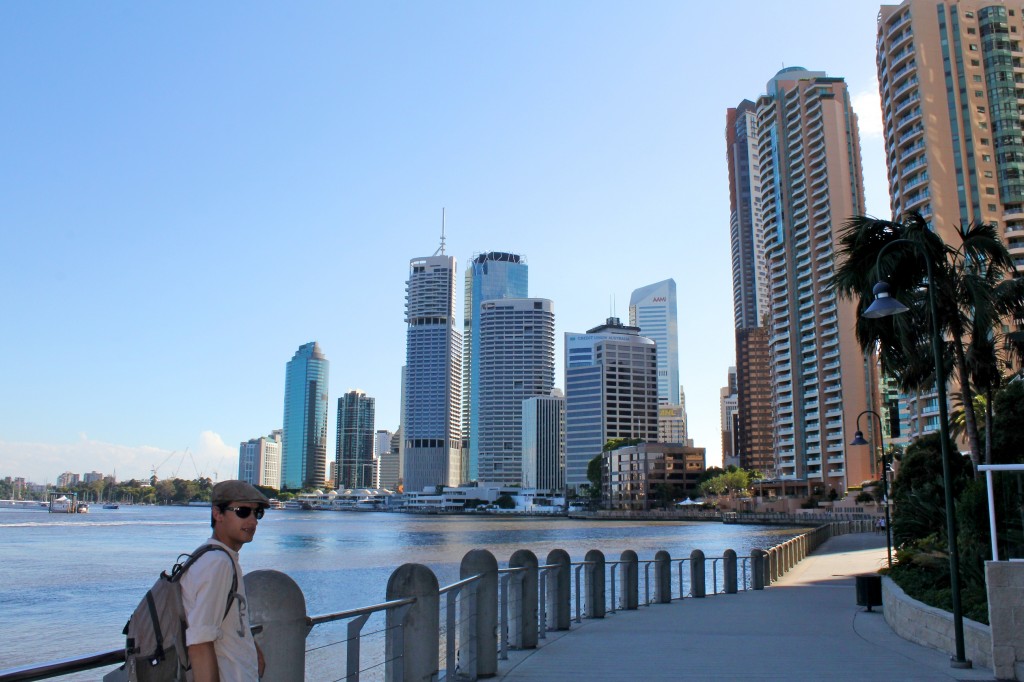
(440, 250)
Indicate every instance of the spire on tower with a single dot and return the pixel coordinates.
(440, 250)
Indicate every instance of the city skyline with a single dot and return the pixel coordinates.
(164, 194)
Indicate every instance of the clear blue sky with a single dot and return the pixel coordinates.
(190, 191)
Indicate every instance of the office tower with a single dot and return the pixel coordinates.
(68, 479)
(671, 424)
(653, 309)
(728, 403)
(353, 454)
(431, 427)
(304, 436)
(809, 164)
(948, 76)
(386, 458)
(92, 477)
(491, 276)
(751, 443)
(516, 361)
(544, 441)
(259, 460)
(611, 391)
(754, 447)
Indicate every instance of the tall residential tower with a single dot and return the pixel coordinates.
(808, 153)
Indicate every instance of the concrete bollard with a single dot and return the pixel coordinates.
(773, 565)
(663, 577)
(412, 643)
(594, 581)
(523, 600)
(697, 587)
(482, 628)
(276, 605)
(758, 570)
(559, 590)
(629, 580)
(729, 570)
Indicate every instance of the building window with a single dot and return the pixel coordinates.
(973, 47)
(975, 62)
(986, 157)
(990, 190)
(992, 207)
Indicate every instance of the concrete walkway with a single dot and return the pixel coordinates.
(805, 627)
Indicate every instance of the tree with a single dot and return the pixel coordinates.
(974, 291)
(917, 491)
(505, 502)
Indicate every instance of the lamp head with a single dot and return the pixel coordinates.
(858, 439)
(884, 304)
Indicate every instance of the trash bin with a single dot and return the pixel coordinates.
(869, 590)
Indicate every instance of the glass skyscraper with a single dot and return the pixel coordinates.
(304, 437)
(354, 449)
(431, 451)
(653, 309)
(491, 276)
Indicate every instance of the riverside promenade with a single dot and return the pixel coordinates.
(806, 626)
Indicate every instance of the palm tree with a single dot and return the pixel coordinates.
(974, 290)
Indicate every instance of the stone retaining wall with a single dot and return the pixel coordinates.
(932, 627)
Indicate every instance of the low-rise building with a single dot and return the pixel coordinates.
(640, 476)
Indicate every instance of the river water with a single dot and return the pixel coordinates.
(69, 582)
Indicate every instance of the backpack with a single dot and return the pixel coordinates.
(155, 649)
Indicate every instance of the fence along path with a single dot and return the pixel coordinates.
(466, 630)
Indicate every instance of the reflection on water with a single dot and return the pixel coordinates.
(93, 568)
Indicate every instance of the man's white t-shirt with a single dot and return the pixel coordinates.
(204, 590)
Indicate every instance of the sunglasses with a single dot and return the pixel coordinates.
(243, 512)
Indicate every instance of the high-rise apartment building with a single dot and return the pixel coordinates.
(809, 167)
(751, 444)
(544, 441)
(304, 436)
(494, 275)
(611, 391)
(754, 447)
(949, 79)
(653, 309)
(353, 454)
(516, 360)
(259, 460)
(432, 404)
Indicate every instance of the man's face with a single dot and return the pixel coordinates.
(232, 530)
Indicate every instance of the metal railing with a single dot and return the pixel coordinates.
(486, 613)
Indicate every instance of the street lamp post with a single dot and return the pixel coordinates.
(884, 306)
(858, 439)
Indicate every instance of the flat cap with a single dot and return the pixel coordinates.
(227, 492)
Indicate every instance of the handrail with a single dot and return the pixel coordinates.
(457, 586)
(63, 666)
(365, 610)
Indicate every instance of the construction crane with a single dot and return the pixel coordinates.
(155, 468)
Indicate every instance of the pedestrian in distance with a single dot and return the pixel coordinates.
(220, 644)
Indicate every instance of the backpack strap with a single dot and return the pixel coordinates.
(180, 569)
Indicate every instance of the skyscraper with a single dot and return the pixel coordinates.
(259, 460)
(653, 309)
(751, 444)
(432, 429)
(611, 391)
(353, 453)
(809, 164)
(386, 459)
(948, 75)
(304, 436)
(516, 352)
(491, 276)
(544, 442)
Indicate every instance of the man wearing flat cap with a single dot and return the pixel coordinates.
(220, 644)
